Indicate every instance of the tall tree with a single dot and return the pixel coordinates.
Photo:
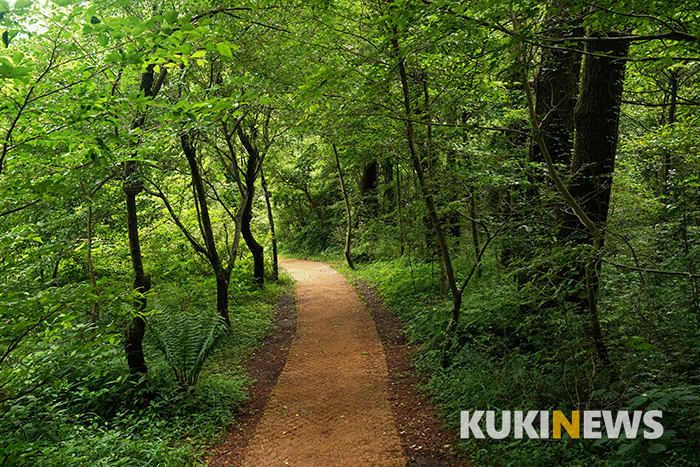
(133, 185)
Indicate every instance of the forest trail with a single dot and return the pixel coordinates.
(330, 406)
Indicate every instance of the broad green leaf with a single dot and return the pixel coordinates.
(224, 49)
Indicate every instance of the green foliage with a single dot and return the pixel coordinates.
(90, 412)
(186, 339)
(508, 359)
(71, 114)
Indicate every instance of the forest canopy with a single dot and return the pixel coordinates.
(519, 179)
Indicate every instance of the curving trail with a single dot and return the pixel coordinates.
(330, 406)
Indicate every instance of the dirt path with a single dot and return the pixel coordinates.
(330, 406)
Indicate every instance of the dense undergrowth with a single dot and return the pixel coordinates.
(87, 411)
(507, 360)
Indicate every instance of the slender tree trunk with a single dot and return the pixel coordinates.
(399, 214)
(271, 219)
(430, 204)
(142, 283)
(389, 195)
(475, 230)
(91, 266)
(348, 234)
(432, 169)
(251, 173)
(255, 248)
(222, 275)
(667, 164)
(369, 188)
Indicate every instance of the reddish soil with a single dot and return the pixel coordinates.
(424, 440)
(343, 397)
(263, 367)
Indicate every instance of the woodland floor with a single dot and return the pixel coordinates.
(347, 393)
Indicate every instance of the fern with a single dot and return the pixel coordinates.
(186, 340)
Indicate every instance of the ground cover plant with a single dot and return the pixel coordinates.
(519, 178)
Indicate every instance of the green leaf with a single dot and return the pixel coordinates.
(637, 401)
(656, 448)
(95, 20)
(224, 49)
(22, 4)
(171, 17)
(113, 57)
(6, 38)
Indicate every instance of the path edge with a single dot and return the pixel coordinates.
(263, 366)
(424, 439)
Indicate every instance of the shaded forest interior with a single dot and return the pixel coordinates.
(518, 179)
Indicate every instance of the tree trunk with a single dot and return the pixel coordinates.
(348, 235)
(369, 188)
(597, 117)
(251, 173)
(430, 204)
(255, 248)
(90, 264)
(142, 283)
(389, 195)
(556, 90)
(475, 230)
(271, 219)
(222, 276)
(667, 164)
(556, 86)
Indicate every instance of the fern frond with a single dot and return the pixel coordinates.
(186, 340)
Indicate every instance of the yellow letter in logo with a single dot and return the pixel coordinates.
(559, 420)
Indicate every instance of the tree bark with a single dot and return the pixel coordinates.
(556, 90)
(222, 274)
(597, 117)
(348, 233)
(254, 165)
(142, 283)
(271, 219)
